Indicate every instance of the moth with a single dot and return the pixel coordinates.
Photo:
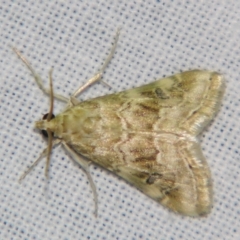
(147, 135)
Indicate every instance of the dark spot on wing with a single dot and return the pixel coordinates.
(161, 94)
(153, 177)
(190, 166)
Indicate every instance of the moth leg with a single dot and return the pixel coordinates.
(97, 77)
(85, 166)
(34, 164)
(38, 78)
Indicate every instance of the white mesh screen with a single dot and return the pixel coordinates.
(158, 38)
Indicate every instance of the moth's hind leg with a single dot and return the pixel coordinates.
(38, 78)
(97, 77)
(85, 166)
(34, 164)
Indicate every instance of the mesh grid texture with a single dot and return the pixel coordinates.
(158, 38)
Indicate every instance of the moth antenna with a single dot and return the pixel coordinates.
(49, 117)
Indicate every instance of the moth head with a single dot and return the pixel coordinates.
(46, 126)
(43, 130)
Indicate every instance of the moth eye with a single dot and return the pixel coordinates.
(44, 132)
(46, 115)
